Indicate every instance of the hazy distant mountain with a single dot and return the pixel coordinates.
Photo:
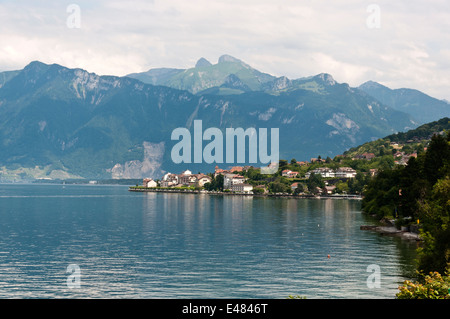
(69, 120)
(202, 62)
(423, 108)
(61, 122)
(6, 76)
(156, 76)
(230, 76)
(206, 75)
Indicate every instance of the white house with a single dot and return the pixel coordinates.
(325, 172)
(169, 179)
(345, 172)
(294, 186)
(232, 179)
(148, 182)
(242, 188)
(203, 179)
(187, 179)
(289, 173)
(330, 189)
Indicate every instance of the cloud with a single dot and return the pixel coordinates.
(293, 38)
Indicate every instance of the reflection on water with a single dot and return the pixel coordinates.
(156, 245)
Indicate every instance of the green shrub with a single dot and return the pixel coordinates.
(433, 286)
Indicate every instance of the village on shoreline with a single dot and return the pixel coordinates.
(344, 176)
(247, 180)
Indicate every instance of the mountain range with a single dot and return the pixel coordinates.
(229, 76)
(232, 76)
(422, 107)
(57, 122)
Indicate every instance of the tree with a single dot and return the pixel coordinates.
(356, 185)
(434, 255)
(438, 151)
(342, 187)
(382, 193)
(300, 188)
(407, 149)
(216, 183)
(413, 187)
(282, 164)
(278, 187)
(314, 181)
(420, 149)
(386, 162)
(254, 174)
(208, 186)
(258, 190)
(219, 182)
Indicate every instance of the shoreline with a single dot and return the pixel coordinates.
(392, 231)
(200, 192)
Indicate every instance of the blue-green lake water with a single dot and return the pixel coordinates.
(155, 245)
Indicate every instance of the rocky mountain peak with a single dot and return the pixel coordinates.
(327, 78)
(228, 58)
(202, 62)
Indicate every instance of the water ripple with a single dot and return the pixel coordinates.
(131, 245)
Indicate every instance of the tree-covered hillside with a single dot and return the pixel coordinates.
(411, 141)
(418, 194)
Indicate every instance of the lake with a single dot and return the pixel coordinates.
(160, 245)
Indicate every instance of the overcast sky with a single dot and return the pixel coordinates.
(396, 43)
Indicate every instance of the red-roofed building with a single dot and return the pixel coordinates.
(289, 174)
